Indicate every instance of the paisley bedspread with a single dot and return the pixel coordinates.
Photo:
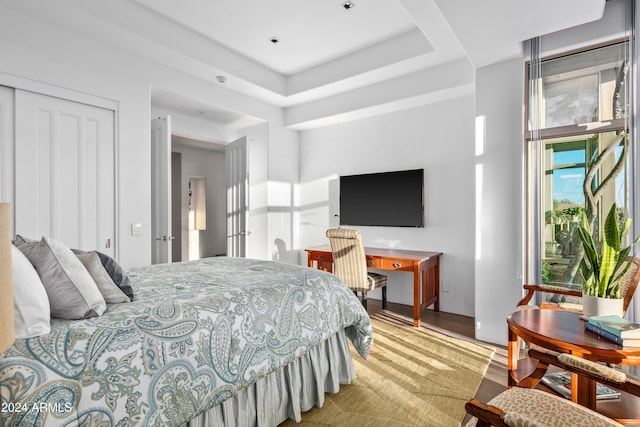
(196, 333)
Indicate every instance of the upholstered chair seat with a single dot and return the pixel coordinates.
(526, 406)
(529, 406)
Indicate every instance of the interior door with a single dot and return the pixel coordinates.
(6, 144)
(237, 173)
(64, 177)
(161, 236)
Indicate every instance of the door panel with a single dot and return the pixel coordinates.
(161, 236)
(65, 171)
(237, 171)
(6, 144)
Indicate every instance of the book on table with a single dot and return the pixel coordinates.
(617, 325)
(561, 383)
(625, 342)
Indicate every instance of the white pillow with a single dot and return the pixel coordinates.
(31, 312)
(73, 294)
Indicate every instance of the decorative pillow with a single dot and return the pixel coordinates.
(115, 271)
(21, 239)
(31, 313)
(73, 294)
(111, 293)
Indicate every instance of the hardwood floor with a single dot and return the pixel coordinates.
(495, 380)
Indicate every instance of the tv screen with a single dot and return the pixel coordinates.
(391, 199)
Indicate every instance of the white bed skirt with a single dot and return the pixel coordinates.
(287, 392)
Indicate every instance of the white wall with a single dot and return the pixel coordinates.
(39, 52)
(283, 242)
(438, 138)
(499, 165)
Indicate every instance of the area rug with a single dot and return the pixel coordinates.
(412, 377)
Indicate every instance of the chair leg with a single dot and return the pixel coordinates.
(364, 299)
(384, 297)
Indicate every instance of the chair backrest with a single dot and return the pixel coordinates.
(349, 260)
(629, 282)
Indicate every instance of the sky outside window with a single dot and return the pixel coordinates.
(567, 182)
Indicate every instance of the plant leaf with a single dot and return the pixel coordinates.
(607, 267)
(611, 229)
(587, 277)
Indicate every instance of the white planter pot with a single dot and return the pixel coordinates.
(597, 306)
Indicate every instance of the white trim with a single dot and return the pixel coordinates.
(18, 82)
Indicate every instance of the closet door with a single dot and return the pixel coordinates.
(6, 144)
(64, 171)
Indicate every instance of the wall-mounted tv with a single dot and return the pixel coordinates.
(389, 199)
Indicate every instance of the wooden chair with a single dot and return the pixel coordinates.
(628, 285)
(524, 405)
(350, 264)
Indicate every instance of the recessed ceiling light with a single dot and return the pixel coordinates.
(348, 4)
(274, 40)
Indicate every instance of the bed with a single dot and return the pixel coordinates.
(218, 341)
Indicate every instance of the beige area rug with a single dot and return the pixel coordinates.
(412, 377)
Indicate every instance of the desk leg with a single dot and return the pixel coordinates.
(325, 266)
(436, 284)
(416, 296)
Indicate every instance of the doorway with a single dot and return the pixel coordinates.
(200, 124)
(200, 164)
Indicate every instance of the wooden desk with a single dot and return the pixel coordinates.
(564, 332)
(424, 265)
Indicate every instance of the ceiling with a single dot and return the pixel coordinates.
(381, 52)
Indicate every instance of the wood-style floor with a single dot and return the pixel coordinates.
(495, 380)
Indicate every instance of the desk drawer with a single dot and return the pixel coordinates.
(321, 256)
(373, 262)
(396, 264)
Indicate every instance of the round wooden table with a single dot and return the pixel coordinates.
(564, 332)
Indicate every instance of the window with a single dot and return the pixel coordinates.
(577, 148)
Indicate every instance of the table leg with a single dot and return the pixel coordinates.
(584, 391)
(513, 353)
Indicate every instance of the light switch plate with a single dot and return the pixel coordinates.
(136, 229)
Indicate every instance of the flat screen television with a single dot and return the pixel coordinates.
(388, 199)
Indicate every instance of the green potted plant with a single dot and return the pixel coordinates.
(602, 265)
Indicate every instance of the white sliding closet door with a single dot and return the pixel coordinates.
(6, 144)
(64, 171)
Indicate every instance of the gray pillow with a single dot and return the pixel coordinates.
(73, 294)
(111, 293)
(115, 271)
